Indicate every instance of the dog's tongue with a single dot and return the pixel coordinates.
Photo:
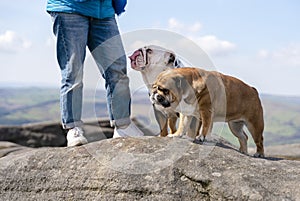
(134, 55)
(137, 60)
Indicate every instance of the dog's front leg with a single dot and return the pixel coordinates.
(162, 121)
(194, 128)
(172, 123)
(183, 126)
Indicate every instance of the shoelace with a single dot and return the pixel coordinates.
(77, 132)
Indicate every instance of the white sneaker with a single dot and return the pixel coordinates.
(75, 137)
(130, 131)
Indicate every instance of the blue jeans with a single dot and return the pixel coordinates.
(74, 33)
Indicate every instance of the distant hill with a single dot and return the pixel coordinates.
(282, 116)
(31, 105)
(282, 121)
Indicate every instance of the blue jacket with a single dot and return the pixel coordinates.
(91, 8)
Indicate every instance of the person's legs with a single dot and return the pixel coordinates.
(71, 31)
(107, 49)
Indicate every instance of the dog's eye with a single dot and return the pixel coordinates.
(149, 51)
(165, 91)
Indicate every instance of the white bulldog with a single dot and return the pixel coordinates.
(151, 61)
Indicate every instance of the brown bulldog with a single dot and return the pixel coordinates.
(208, 97)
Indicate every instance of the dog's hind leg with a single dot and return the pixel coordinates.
(237, 129)
(206, 124)
(256, 128)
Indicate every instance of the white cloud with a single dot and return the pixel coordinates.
(290, 54)
(195, 27)
(263, 53)
(139, 43)
(214, 46)
(50, 42)
(285, 56)
(175, 25)
(209, 43)
(11, 42)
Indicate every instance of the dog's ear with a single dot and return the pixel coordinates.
(186, 89)
(169, 59)
(177, 63)
(180, 82)
(172, 61)
(182, 87)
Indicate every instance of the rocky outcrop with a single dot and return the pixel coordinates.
(147, 168)
(287, 151)
(9, 148)
(51, 134)
(34, 135)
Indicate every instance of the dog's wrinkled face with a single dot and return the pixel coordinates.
(177, 89)
(152, 56)
(165, 92)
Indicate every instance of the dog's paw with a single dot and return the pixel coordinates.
(174, 135)
(188, 138)
(258, 155)
(200, 138)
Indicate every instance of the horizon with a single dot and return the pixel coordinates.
(25, 86)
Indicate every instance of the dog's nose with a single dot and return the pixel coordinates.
(160, 98)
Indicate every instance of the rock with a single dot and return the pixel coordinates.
(146, 168)
(7, 148)
(51, 134)
(34, 135)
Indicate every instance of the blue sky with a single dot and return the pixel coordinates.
(254, 40)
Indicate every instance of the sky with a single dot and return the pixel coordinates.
(256, 41)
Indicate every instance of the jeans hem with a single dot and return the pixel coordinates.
(120, 122)
(72, 125)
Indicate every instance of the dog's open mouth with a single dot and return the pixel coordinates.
(137, 60)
